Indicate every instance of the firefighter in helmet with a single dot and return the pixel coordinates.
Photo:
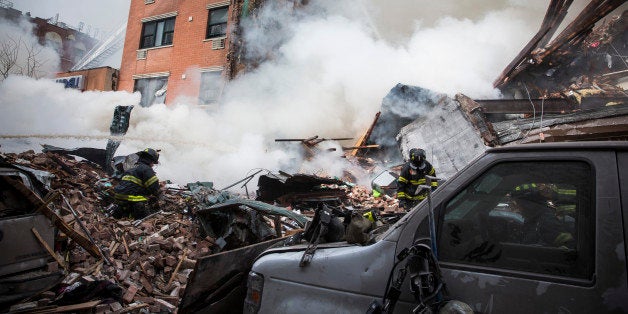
(412, 175)
(136, 194)
(541, 225)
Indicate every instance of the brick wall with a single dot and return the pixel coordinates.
(102, 78)
(67, 50)
(188, 53)
(69, 37)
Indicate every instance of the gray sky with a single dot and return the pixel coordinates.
(104, 15)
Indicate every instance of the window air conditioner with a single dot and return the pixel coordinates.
(218, 43)
(141, 54)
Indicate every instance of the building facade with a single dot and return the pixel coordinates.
(176, 48)
(70, 44)
(94, 79)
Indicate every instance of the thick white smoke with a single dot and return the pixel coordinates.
(21, 53)
(331, 64)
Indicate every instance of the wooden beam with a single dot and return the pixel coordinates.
(76, 308)
(176, 270)
(526, 106)
(54, 218)
(583, 23)
(365, 137)
(45, 245)
(474, 114)
(554, 15)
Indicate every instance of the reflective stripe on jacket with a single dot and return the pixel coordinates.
(138, 183)
(409, 180)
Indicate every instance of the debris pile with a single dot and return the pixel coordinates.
(361, 197)
(147, 259)
(128, 265)
(582, 56)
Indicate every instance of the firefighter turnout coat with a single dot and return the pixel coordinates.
(411, 177)
(138, 183)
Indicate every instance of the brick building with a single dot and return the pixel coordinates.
(71, 44)
(103, 78)
(186, 48)
(176, 48)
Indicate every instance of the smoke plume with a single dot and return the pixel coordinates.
(21, 53)
(324, 70)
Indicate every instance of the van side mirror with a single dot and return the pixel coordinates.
(425, 276)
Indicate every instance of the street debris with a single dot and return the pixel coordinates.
(100, 263)
(194, 254)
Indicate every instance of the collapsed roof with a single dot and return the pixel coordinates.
(581, 56)
(565, 89)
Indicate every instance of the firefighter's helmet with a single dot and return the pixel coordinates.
(152, 154)
(417, 156)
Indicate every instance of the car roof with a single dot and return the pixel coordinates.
(584, 145)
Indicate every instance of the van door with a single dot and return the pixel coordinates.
(622, 167)
(521, 236)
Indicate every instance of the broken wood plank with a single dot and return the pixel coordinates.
(165, 305)
(89, 236)
(365, 137)
(554, 15)
(45, 245)
(56, 219)
(51, 198)
(314, 139)
(176, 269)
(582, 24)
(70, 308)
(126, 246)
(93, 269)
(62, 164)
(132, 308)
(526, 106)
(474, 114)
(355, 148)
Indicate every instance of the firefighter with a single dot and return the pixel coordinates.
(136, 194)
(412, 175)
(541, 226)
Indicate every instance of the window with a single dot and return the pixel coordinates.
(217, 22)
(535, 217)
(153, 90)
(211, 86)
(79, 51)
(157, 33)
(54, 40)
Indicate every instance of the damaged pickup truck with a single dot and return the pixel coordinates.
(521, 229)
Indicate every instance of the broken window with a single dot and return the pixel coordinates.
(157, 33)
(79, 51)
(153, 90)
(211, 86)
(217, 22)
(54, 40)
(524, 216)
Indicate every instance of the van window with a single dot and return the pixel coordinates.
(526, 216)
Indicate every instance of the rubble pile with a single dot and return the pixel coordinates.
(144, 264)
(361, 197)
(148, 259)
(585, 55)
